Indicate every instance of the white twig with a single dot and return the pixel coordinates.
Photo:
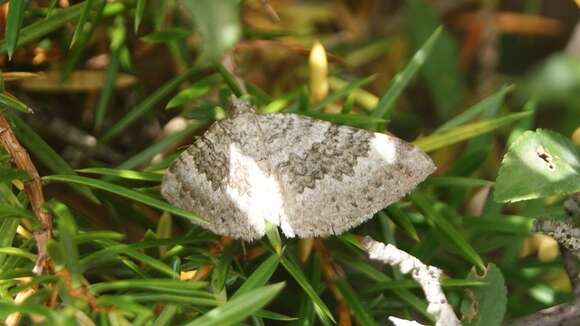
(427, 276)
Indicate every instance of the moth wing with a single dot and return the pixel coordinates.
(332, 178)
(222, 178)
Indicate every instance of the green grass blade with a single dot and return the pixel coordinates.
(139, 13)
(149, 284)
(494, 101)
(398, 216)
(118, 35)
(11, 251)
(67, 229)
(461, 133)
(447, 229)
(13, 23)
(320, 307)
(149, 103)
(344, 91)
(82, 20)
(125, 174)
(260, 276)
(385, 106)
(46, 26)
(238, 309)
(147, 154)
(458, 182)
(356, 306)
(13, 103)
(43, 152)
(124, 192)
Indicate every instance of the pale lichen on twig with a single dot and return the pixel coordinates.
(427, 276)
(567, 234)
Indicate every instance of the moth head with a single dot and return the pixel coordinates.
(240, 106)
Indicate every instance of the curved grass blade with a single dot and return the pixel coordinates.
(356, 306)
(260, 276)
(148, 284)
(13, 23)
(462, 182)
(124, 192)
(149, 102)
(355, 120)
(13, 103)
(447, 229)
(492, 102)
(125, 174)
(43, 152)
(461, 133)
(27, 308)
(238, 309)
(46, 26)
(12, 251)
(385, 106)
(321, 309)
(148, 153)
(344, 91)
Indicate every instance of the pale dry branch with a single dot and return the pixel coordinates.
(427, 276)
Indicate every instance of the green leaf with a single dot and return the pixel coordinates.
(13, 103)
(149, 103)
(240, 308)
(539, 163)
(13, 23)
(455, 238)
(321, 309)
(441, 70)
(385, 105)
(125, 174)
(218, 23)
(260, 276)
(467, 131)
(124, 192)
(490, 299)
(166, 35)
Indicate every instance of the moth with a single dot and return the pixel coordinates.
(310, 177)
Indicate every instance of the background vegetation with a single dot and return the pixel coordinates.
(119, 87)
